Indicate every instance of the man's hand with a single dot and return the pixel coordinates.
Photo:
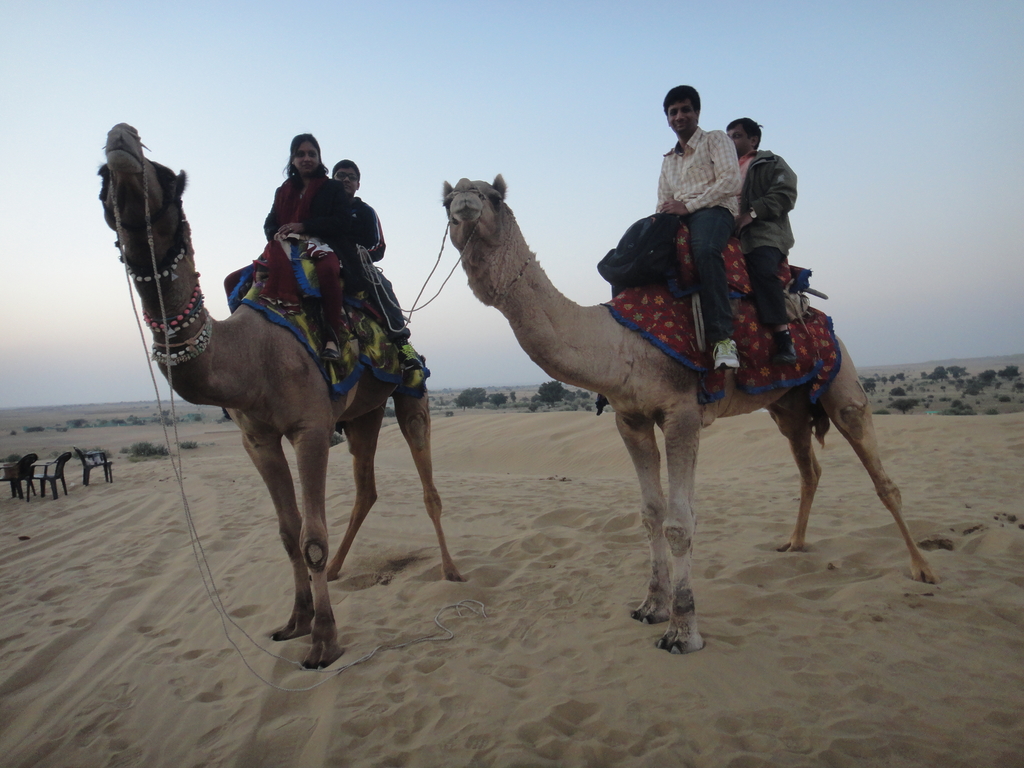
(743, 221)
(673, 206)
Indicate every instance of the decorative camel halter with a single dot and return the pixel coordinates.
(169, 353)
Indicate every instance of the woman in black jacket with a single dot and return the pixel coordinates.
(311, 204)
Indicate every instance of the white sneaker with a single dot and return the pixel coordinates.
(726, 355)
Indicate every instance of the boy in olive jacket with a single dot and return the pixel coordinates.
(767, 197)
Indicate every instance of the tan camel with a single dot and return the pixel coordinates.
(587, 347)
(266, 380)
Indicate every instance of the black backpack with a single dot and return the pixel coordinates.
(646, 253)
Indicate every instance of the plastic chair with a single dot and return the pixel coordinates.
(94, 459)
(58, 474)
(24, 475)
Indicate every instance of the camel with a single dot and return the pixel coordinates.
(587, 347)
(267, 382)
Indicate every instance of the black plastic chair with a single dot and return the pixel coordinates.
(94, 459)
(45, 477)
(24, 475)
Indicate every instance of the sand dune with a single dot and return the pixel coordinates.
(112, 654)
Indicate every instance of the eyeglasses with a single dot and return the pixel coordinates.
(341, 176)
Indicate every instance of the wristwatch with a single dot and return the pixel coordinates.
(753, 213)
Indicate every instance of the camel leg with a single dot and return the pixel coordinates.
(682, 440)
(638, 434)
(311, 446)
(414, 420)
(848, 408)
(362, 433)
(264, 448)
(793, 418)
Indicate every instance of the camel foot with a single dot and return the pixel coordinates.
(675, 641)
(453, 575)
(292, 630)
(649, 613)
(789, 546)
(322, 654)
(924, 574)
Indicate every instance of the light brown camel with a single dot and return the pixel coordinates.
(266, 380)
(587, 347)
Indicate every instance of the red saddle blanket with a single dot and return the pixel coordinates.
(663, 314)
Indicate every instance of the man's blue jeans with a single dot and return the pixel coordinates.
(710, 229)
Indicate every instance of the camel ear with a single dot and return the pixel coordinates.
(499, 186)
(105, 175)
(448, 189)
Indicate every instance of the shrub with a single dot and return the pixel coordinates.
(992, 412)
(189, 444)
(905, 404)
(144, 450)
(882, 412)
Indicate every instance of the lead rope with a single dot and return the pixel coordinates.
(202, 563)
(370, 269)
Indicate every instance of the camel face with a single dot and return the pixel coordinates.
(136, 180)
(473, 208)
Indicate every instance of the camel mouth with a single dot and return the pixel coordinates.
(124, 149)
(466, 209)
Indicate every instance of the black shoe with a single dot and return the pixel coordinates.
(407, 356)
(601, 403)
(329, 353)
(786, 354)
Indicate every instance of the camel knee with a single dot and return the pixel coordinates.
(315, 554)
(680, 539)
(852, 418)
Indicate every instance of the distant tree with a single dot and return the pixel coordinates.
(900, 376)
(956, 371)
(512, 396)
(973, 388)
(1009, 372)
(498, 399)
(470, 398)
(987, 377)
(905, 404)
(551, 392)
(897, 392)
(869, 385)
(77, 423)
(939, 373)
(33, 429)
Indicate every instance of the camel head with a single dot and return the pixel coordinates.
(475, 209)
(129, 179)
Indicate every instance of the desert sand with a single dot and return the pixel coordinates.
(111, 654)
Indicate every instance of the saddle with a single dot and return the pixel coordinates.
(364, 344)
(663, 314)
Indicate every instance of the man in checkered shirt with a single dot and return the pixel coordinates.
(700, 181)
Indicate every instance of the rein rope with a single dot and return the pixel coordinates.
(374, 275)
(174, 453)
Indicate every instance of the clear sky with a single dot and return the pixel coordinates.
(898, 118)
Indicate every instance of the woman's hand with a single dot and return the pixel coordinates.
(296, 228)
